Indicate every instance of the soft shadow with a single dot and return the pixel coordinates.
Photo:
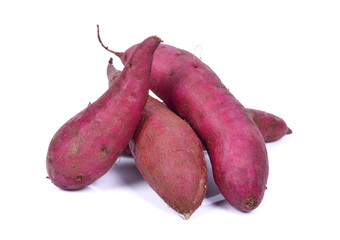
(213, 194)
(212, 189)
(123, 173)
(126, 174)
(127, 171)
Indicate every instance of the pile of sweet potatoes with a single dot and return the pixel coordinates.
(167, 139)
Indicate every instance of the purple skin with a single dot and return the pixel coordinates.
(88, 145)
(272, 127)
(168, 154)
(235, 145)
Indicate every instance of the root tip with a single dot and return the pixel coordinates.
(250, 204)
(187, 215)
(118, 54)
(157, 38)
(289, 131)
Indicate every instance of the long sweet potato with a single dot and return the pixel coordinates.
(271, 126)
(236, 148)
(169, 155)
(87, 145)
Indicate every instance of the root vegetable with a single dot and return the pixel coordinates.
(87, 145)
(235, 145)
(169, 155)
(271, 126)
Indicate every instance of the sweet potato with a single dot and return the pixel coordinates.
(87, 145)
(169, 155)
(271, 127)
(236, 148)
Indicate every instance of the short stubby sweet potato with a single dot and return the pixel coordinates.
(271, 126)
(169, 155)
(235, 145)
(87, 145)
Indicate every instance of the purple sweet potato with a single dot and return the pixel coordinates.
(271, 126)
(169, 155)
(88, 145)
(235, 145)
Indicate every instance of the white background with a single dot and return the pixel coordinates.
(278, 56)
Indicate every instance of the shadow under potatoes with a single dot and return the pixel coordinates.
(126, 170)
(126, 174)
(213, 194)
(123, 173)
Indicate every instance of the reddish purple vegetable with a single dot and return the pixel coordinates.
(87, 146)
(272, 127)
(235, 145)
(169, 155)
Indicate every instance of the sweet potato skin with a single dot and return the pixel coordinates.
(236, 148)
(169, 155)
(271, 126)
(87, 145)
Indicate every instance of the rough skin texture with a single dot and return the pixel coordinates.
(169, 155)
(235, 145)
(272, 127)
(87, 146)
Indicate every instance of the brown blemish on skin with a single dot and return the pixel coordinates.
(79, 178)
(100, 105)
(56, 139)
(274, 122)
(250, 203)
(195, 66)
(104, 151)
(51, 172)
(103, 148)
(73, 132)
(74, 148)
(49, 159)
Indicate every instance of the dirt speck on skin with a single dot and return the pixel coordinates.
(79, 178)
(74, 133)
(74, 148)
(49, 159)
(250, 203)
(51, 172)
(104, 151)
